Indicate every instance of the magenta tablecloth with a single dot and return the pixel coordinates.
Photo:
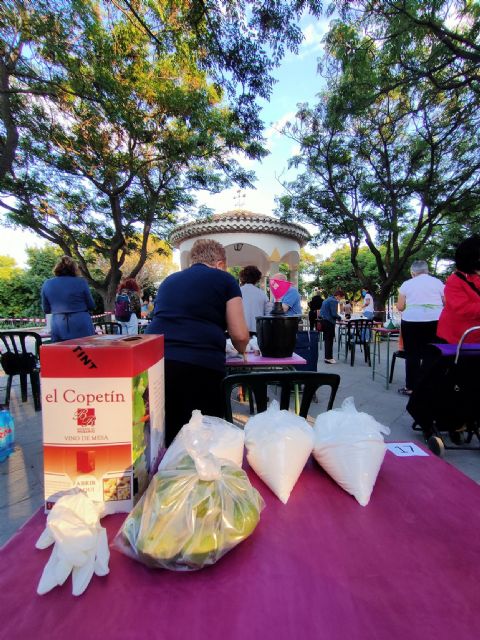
(321, 567)
(264, 361)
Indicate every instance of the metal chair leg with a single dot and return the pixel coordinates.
(367, 355)
(392, 367)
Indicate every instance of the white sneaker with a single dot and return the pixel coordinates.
(331, 361)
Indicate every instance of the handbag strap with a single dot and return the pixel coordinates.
(460, 275)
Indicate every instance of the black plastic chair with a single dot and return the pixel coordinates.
(17, 359)
(258, 383)
(111, 328)
(358, 332)
(397, 354)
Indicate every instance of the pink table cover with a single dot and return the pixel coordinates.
(321, 567)
(263, 361)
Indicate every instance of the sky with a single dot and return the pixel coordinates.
(297, 82)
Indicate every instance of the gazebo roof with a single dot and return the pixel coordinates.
(237, 221)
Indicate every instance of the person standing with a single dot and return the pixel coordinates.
(314, 307)
(420, 300)
(255, 301)
(329, 315)
(462, 295)
(193, 309)
(291, 301)
(128, 290)
(68, 298)
(347, 309)
(368, 308)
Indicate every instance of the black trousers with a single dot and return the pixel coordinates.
(416, 336)
(328, 329)
(189, 387)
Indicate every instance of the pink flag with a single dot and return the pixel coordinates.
(279, 288)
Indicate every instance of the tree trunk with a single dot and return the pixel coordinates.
(109, 298)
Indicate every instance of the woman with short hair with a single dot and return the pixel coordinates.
(420, 300)
(255, 301)
(67, 297)
(193, 309)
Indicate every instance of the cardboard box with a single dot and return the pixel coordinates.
(103, 416)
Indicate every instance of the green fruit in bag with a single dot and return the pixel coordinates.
(187, 523)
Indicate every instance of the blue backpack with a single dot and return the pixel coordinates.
(123, 307)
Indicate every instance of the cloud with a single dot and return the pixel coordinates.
(273, 132)
(313, 32)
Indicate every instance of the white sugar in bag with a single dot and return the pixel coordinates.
(225, 440)
(279, 444)
(349, 446)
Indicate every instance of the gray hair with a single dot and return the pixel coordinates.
(419, 266)
(207, 252)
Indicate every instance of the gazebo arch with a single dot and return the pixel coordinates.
(248, 238)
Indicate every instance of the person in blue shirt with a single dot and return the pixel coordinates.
(193, 309)
(329, 315)
(68, 298)
(291, 300)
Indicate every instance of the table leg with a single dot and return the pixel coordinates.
(388, 362)
(297, 399)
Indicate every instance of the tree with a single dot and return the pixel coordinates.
(432, 40)
(8, 268)
(20, 289)
(336, 272)
(115, 121)
(237, 44)
(158, 265)
(386, 171)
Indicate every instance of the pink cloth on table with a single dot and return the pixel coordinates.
(263, 361)
(318, 568)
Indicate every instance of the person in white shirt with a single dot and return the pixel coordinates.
(255, 301)
(420, 300)
(368, 306)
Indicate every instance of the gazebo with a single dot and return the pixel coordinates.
(248, 238)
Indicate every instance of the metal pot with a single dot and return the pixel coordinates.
(276, 335)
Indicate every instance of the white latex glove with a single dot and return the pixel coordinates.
(80, 544)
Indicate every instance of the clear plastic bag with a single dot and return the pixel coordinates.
(279, 444)
(225, 440)
(349, 446)
(193, 514)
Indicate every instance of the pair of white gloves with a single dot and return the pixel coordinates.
(80, 543)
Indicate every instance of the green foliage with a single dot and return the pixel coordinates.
(20, 289)
(386, 161)
(135, 107)
(8, 268)
(308, 270)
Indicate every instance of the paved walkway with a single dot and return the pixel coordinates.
(21, 476)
